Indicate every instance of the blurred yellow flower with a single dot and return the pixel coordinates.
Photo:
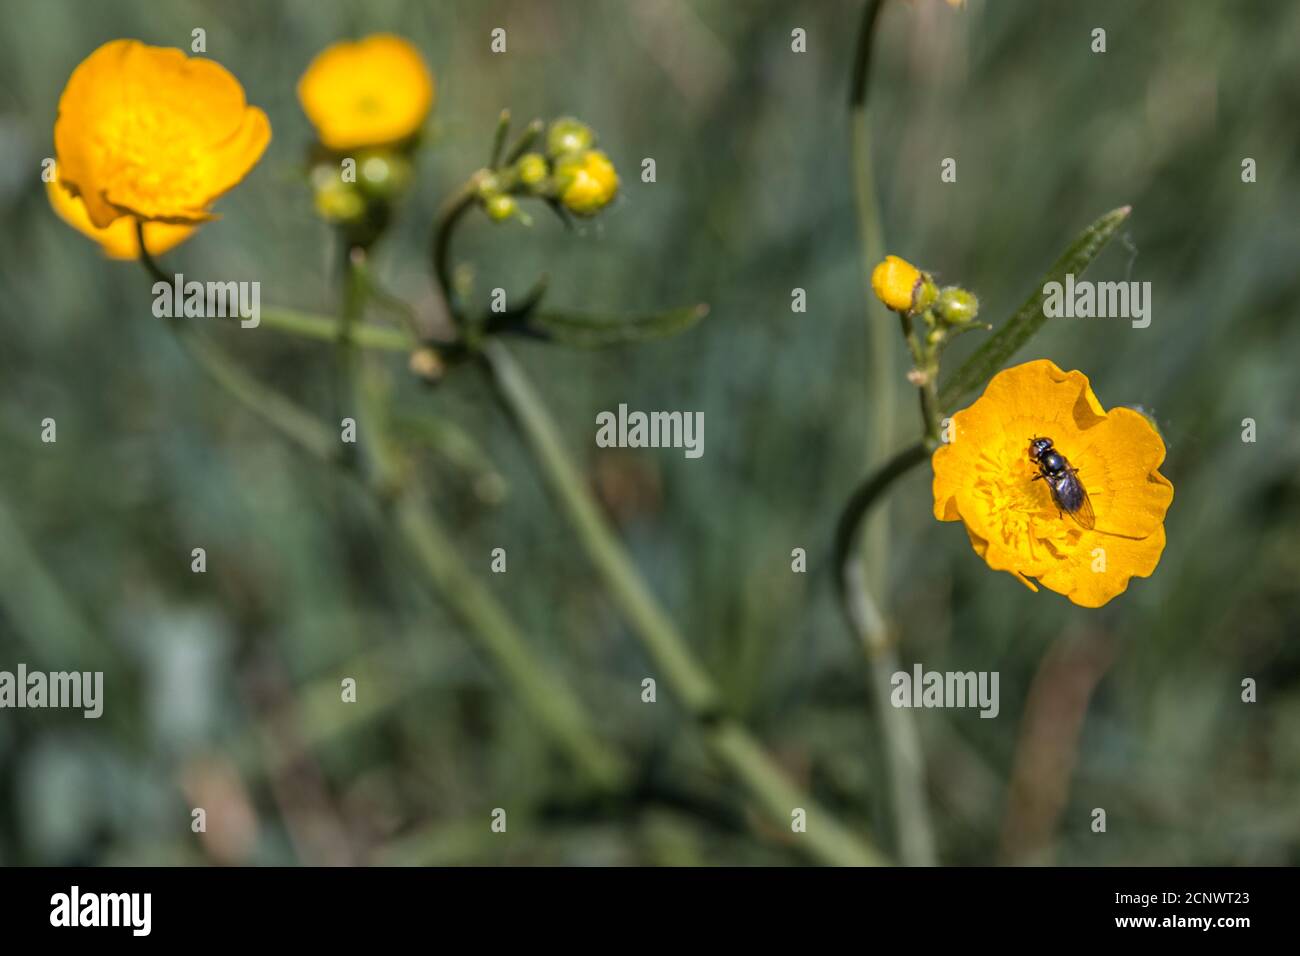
(894, 281)
(118, 238)
(587, 181)
(984, 478)
(149, 132)
(372, 92)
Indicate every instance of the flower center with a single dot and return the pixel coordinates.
(1018, 508)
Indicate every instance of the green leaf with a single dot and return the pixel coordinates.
(595, 331)
(990, 357)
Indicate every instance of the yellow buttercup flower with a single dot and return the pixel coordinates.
(117, 239)
(588, 182)
(372, 92)
(984, 478)
(895, 283)
(149, 132)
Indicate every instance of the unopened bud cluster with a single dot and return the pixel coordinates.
(571, 172)
(356, 192)
(931, 316)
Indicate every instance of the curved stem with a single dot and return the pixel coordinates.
(456, 205)
(826, 840)
(902, 744)
(851, 518)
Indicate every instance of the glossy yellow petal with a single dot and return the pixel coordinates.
(117, 239)
(152, 133)
(895, 281)
(372, 92)
(1101, 569)
(984, 478)
(1118, 464)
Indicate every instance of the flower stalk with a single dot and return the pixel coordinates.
(542, 692)
(861, 569)
(826, 840)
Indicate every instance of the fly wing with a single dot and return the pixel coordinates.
(1084, 516)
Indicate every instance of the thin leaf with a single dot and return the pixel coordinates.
(595, 331)
(990, 357)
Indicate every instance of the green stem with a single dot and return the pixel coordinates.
(903, 752)
(825, 840)
(499, 139)
(266, 403)
(554, 705)
(542, 693)
(326, 329)
(911, 818)
(925, 362)
(456, 205)
(525, 140)
(870, 237)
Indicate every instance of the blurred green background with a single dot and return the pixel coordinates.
(222, 688)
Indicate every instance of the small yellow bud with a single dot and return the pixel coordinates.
(587, 181)
(895, 283)
(500, 207)
(340, 202)
(532, 168)
(568, 135)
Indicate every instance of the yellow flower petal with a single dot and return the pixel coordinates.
(894, 282)
(984, 478)
(1123, 480)
(371, 92)
(1102, 567)
(588, 182)
(149, 132)
(118, 238)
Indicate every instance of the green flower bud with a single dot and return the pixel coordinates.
(340, 202)
(501, 207)
(532, 170)
(568, 135)
(382, 175)
(956, 306)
